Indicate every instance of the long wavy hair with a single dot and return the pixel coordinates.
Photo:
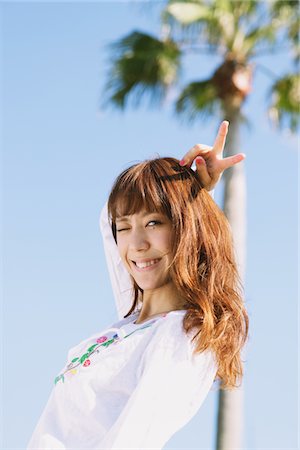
(203, 269)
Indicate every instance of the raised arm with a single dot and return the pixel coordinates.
(119, 277)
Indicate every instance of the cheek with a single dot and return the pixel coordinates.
(121, 248)
(166, 241)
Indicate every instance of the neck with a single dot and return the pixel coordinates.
(161, 300)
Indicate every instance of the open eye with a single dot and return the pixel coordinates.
(155, 222)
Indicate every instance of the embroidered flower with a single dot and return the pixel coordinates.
(84, 360)
(87, 363)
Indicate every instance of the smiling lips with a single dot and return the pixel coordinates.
(146, 264)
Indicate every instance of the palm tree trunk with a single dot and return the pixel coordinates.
(230, 402)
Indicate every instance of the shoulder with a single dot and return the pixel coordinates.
(169, 351)
(171, 340)
(171, 329)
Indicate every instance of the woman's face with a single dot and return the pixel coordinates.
(144, 241)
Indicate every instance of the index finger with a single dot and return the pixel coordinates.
(219, 143)
(197, 150)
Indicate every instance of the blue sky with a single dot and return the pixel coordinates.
(61, 154)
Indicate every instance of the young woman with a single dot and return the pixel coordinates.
(133, 385)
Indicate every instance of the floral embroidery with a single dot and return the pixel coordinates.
(84, 360)
(87, 363)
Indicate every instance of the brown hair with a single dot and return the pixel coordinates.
(203, 269)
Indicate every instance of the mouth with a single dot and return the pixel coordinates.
(146, 266)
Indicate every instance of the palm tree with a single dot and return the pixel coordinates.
(238, 32)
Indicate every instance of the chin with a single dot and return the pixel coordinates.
(151, 285)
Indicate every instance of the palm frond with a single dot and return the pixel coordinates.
(287, 12)
(260, 35)
(285, 101)
(219, 22)
(141, 64)
(198, 99)
(188, 12)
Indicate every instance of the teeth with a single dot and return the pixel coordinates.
(146, 264)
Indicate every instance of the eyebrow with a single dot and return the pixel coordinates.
(119, 218)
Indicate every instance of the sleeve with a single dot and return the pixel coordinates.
(172, 385)
(119, 277)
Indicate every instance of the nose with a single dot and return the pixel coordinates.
(138, 241)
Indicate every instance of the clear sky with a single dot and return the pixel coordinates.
(61, 154)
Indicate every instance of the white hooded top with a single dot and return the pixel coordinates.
(130, 386)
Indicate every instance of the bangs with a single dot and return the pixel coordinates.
(132, 202)
(139, 188)
(156, 185)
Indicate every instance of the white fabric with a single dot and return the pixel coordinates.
(132, 386)
(134, 394)
(119, 277)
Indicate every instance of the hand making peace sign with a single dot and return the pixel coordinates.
(210, 163)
